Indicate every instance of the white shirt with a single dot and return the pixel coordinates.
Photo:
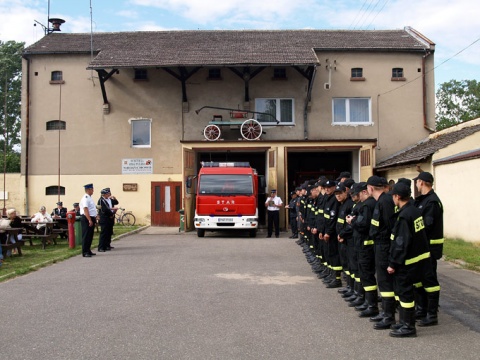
(87, 202)
(276, 200)
(39, 217)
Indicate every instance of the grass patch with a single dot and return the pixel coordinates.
(34, 257)
(463, 252)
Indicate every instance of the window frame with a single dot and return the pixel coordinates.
(277, 110)
(395, 72)
(56, 125)
(347, 121)
(132, 122)
(279, 73)
(356, 74)
(140, 74)
(214, 74)
(54, 80)
(53, 190)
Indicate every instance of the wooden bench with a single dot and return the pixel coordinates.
(45, 233)
(8, 245)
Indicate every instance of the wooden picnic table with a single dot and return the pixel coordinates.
(9, 245)
(45, 233)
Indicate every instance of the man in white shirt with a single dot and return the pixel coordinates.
(273, 205)
(88, 212)
(41, 217)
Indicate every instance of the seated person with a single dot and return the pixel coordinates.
(60, 214)
(76, 208)
(41, 217)
(12, 221)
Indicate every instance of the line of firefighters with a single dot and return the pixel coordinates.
(384, 241)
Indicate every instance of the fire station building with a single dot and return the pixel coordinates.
(139, 111)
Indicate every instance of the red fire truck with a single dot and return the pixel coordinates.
(227, 197)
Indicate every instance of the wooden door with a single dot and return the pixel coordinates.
(166, 201)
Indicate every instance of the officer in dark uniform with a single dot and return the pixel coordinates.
(380, 231)
(431, 208)
(409, 260)
(106, 215)
(60, 215)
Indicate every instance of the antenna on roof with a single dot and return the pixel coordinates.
(56, 23)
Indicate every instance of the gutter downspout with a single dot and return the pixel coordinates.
(307, 101)
(27, 133)
(424, 90)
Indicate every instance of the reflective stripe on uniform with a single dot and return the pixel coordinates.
(437, 241)
(392, 237)
(417, 258)
(368, 242)
(337, 268)
(320, 211)
(375, 222)
(341, 221)
(432, 289)
(326, 216)
(418, 285)
(387, 294)
(408, 305)
(370, 288)
(357, 279)
(347, 272)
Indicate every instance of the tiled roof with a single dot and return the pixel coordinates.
(224, 47)
(426, 147)
(466, 155)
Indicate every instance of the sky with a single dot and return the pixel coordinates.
(451, 24)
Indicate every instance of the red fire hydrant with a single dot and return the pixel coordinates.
(71, 229)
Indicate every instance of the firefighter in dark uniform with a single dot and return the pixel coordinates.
(310, 228)
(60, 215)
(330, 213)
(409, 260)
(301, 205)
(351, 253)
(364, 247)
(344, 233)
(380, 231)
(319, 224)
(431, 208)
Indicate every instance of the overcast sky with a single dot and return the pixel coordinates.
(452, 24)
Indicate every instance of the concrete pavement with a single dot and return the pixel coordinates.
(164, 295)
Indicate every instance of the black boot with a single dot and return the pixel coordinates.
(350, 286)
(372, 305)
(432, 310)
(407, 318)
(360, 298)
(420, 303)
(388, 320)
(336, 282)
(355, 292)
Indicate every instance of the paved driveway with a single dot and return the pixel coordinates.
(169, 296)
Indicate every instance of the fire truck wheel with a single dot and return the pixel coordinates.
(200, 232)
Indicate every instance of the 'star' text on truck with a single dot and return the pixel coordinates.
(227, 197)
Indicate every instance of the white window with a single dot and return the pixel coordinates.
(141, 133)
(352, 111)
(280, 109)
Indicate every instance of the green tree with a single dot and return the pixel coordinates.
(10, 100)
(457, 102)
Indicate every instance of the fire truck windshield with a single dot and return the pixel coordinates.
(226, 184)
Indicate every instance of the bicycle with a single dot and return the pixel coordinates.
(125, 218)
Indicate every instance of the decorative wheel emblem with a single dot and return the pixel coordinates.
(225, 209)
